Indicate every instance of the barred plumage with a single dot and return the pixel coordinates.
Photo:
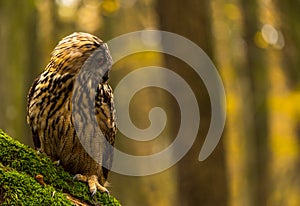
(50, 107)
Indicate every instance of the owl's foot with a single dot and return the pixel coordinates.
(93, 183)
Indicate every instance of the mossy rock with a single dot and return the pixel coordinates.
(20, 166)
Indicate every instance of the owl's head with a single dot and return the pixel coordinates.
(73, 51)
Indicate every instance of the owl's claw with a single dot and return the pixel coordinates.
(93, 183)
(57, 162)
(94, 192)
(101, 189)
(75, 177)
(39, 151)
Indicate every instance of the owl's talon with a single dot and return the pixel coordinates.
(106, 191)
(93, 183)
(94, 192)
(80, 177)
(57, 162)
(100, 188)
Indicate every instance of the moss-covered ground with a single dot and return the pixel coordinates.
(19, 165)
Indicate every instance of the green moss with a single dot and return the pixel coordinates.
(20, 164)
(20, 189)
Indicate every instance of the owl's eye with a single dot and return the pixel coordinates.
(88, 45)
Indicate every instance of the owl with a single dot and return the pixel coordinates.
(70, 109)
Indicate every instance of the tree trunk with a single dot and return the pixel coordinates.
(256, 112)
(199, 183)
(18, 44)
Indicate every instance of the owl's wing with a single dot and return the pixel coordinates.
(30, 118)
(105, 114)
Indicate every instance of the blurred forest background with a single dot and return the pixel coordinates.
(255, 44)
